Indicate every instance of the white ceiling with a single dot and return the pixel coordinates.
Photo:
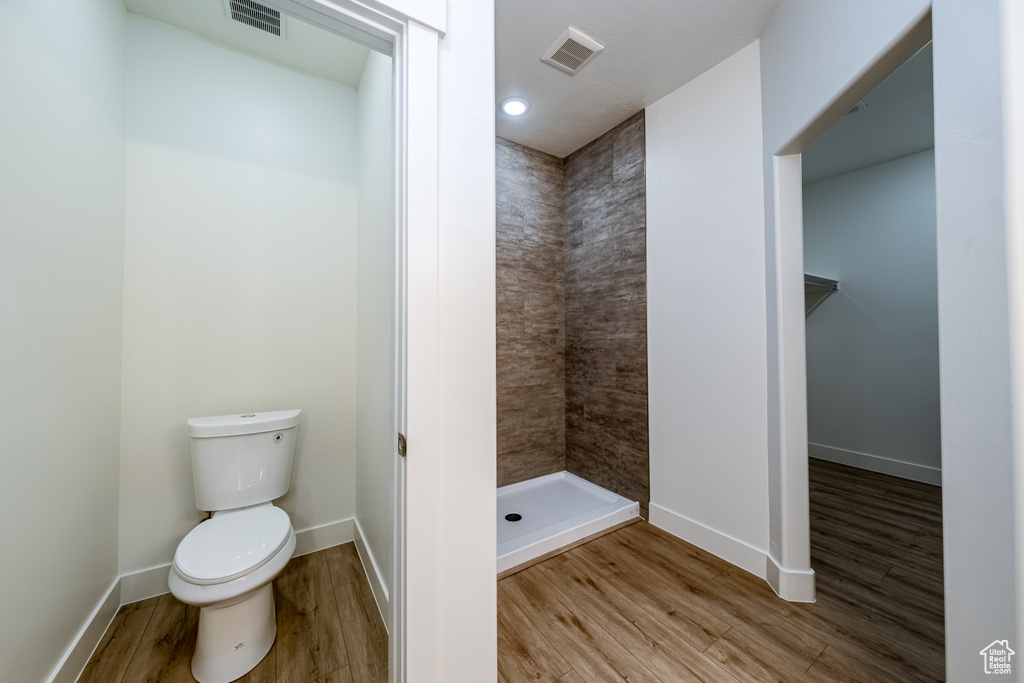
(652, 47)
(895, 120)
(305, 47)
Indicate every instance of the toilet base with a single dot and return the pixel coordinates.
(234, 639)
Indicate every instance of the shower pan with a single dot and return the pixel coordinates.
(544, 515)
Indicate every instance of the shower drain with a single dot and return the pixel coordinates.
(513, 517)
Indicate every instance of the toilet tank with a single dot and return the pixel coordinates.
(242, 460)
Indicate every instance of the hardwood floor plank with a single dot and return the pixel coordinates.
(343, 563)
(680, 590)
(910, 578)
(826, 559)
(686, 555)
(838, 625)
(152, 641)
(592, 652)
(310, 642)
(516, 663)
(110, 661)
(836, 666)
(877, 553)
(165, 651)
(523, 635)
(658, 648)
(363, 638)
(750, 661)
(650, 599)
(764, 622)
(571, 677)
(342, 675)
(265, 671)
(908, 615)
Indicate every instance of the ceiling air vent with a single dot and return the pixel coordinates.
(254, 14)
(572, 51)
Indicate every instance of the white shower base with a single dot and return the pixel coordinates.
(558, 510)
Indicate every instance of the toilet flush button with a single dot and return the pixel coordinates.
(278, 437)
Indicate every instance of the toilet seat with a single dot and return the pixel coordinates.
(231, 545)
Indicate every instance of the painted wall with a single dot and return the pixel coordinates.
(240, 275)
(606, 312)
(981, 475)
(973, 53)
(810, 55)
(706, 313)
(464, 632)
(375, 322)
(873, 346)
(530, 295)
(61, 277)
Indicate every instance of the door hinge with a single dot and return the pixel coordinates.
(401, 444)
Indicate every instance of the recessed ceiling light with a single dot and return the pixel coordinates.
(515, 106)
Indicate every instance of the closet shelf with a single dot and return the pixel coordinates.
(816, 290)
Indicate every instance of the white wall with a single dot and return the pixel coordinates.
(818, 48)
(706, 312)
(466, 625)
(811, 54)
(981, 462)
(873, 346)
(375, 303)
(240, 275)
(62, 229)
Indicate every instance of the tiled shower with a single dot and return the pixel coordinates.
(572, 313)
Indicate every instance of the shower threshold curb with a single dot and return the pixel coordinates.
(565, 548)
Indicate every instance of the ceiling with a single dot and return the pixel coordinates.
(896, 119)
(305, 47)
(652, 47)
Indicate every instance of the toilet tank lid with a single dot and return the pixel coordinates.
(246, 423)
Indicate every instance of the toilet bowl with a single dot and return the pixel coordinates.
(226, 564)
(225, 567)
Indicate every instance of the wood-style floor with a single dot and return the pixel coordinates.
(640, 605)
(328, 631)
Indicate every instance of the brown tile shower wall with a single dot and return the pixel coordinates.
(530, 313)
(606, 312)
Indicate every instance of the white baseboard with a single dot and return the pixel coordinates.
(795, 586)
(78, 653)
(324, 536)
(377, 583)
(149, 583)
(144, 584)
(876, 463)
(788, 584)
(732, 550)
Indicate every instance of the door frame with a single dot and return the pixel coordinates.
(789, 563)
(413, 43)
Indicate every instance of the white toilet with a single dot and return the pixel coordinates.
(225, 565)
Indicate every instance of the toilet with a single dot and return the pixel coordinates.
(224, 566)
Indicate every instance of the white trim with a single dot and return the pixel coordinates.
(795, 585)
(789, 502)
(144, 584)
(419, 608)
(877, 463)
(324, 536)
(374, 576)
(72, 664)
(739, 553)
(149, 583)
